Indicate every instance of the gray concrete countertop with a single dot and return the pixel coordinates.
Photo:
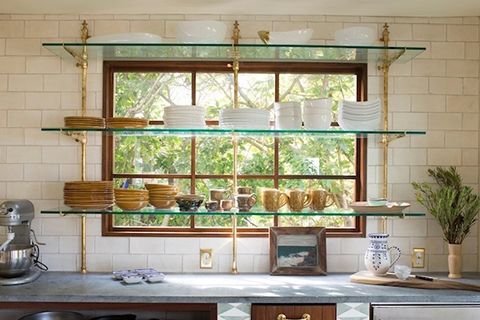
(223, 288)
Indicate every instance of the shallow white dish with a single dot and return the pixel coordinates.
(132, 279)
(155, 277)
(202, 31)
(300, 36)
(133, 37)
(356, 36)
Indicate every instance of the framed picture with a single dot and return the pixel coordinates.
(298, 251)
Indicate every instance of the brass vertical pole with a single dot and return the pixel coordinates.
(385, 69)
(83, 64)
(236, 68)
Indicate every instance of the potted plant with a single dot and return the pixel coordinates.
(455, 206)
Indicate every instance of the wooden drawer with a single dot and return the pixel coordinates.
(293, 311)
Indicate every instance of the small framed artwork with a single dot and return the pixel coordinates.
(298, 251)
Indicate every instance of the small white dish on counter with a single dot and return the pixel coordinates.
(133, 37)
(155, 277)
(132, 279)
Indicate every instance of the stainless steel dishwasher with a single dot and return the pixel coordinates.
(425, 311)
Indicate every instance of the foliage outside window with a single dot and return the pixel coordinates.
(202, 163)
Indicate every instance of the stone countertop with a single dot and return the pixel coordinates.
(223, 288)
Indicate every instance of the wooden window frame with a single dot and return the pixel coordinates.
(112, 67)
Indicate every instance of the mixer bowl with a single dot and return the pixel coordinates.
(15, 261)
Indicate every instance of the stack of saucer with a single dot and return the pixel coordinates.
(288, 115)
(88, 194)
(84, 122)
(184, 117)
(161, 196)
(131, 199)
(359, 115)
(126, 123)
(317, 114)
(245, 118)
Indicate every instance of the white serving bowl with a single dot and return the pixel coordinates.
(356, 36)
(301, 36)
(202, 31)
(347, 124)
(133, 37)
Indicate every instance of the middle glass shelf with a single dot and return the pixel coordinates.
(203, 212)
(241, 132)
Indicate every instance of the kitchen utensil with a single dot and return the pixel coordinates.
(378, 257)
(54, 315)
(298, 200)
(273, 199)
(365, 277)
(320, 199)
(245, 202)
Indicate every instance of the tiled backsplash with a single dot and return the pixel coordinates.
(438, 91)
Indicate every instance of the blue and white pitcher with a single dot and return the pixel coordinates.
(378, 259)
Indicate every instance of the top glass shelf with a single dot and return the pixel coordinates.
(247, 52)
(240, 132)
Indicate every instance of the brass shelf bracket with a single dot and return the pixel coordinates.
(80, 137)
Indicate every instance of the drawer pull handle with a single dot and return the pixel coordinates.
(305, 316)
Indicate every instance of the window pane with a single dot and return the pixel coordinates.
(299, 87)
(152, 154)
(215, 91)
(317, 156)
(145, 94)
(214, 155)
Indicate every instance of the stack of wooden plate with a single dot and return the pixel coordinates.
(131, 199)
(88, 194)
(161, 196)
(84, 122)
(127, 123)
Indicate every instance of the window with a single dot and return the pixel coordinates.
(202, 163)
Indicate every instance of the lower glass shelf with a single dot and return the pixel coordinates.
(258, 212)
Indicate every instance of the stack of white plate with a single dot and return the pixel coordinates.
(317, 114)
(360, 115)
(245, 118)
(288, 115)
(184, 117)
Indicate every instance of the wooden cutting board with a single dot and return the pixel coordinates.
(365, 277)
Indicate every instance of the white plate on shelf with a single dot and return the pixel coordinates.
(390, 208)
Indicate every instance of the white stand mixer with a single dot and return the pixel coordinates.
(19, 253)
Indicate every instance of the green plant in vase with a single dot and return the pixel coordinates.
(455, 206)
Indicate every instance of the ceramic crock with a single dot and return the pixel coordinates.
(378, 257)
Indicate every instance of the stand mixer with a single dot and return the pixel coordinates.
(19, 252)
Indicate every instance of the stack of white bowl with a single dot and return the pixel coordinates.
(317, 114)
(181, 117)
(288, 115)
(365, 115)
(245, 118)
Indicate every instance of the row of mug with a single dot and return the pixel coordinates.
(272, 199)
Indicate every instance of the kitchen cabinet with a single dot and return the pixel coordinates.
(293, 312)
(81, 52)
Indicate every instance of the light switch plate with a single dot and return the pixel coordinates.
(418, 258)
(206, 258)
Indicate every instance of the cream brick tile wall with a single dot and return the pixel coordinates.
(438, 91)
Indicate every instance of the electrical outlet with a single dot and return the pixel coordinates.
(418, 258)
(206, 258)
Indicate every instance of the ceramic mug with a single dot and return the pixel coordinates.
(245, 201)
(212, 206)
(226, 204)
(217, 195)
(320, 199)
(244, 190)
(273, 199)
(298, 200)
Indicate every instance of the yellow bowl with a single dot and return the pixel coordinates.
(131, 205)
(162, 204)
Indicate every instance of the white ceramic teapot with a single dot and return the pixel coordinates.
(378, 257)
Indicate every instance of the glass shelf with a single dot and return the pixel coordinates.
(248, 52)
(203, 212)
(240, 132)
